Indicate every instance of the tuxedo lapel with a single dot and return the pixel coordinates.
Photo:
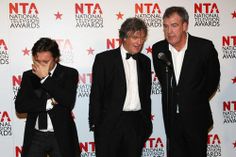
(121, 70)
(58, 73)
(140, 71)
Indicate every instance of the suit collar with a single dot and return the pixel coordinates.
(52, 71)
(120, 66)
(140, 69)
(58, 72)
(185, 60)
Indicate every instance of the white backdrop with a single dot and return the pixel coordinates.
(85, 28)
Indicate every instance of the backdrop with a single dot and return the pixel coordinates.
(84, 28)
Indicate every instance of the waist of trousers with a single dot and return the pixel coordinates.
(43, 132)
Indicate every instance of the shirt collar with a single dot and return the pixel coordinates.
(52, 71)
(123, 51)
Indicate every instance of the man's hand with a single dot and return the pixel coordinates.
(40, 69)
(54, 102)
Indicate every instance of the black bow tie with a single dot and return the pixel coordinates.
(134, 56)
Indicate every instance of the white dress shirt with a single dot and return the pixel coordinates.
(132, 100)
(178, 58)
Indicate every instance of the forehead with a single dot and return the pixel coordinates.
(43, 54)
(137, 33)
(172, 18)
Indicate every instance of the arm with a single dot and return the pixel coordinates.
(149, 86)
(96, 95)
(26, 99)
(213, 71)
(63, 90)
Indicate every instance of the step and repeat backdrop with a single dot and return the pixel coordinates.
(84, 28)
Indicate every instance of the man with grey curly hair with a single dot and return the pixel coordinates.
(120, 103)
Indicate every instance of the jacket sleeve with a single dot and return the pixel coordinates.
(26, 100)
(213, 71)
(149, 85)
(156, 63)
(97, 91)
(63, 90)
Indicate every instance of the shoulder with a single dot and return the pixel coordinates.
(198, 41)
(144, 57)
(67, 69)
(201, 47)
(28, 73)
(160, 46)
(161, 43)
(108, 54)
(107, 57)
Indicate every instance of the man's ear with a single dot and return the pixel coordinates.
(57, 59)
(185, 26)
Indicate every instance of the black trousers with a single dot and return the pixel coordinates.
(125, 140)
(186, 141)
(43, 144)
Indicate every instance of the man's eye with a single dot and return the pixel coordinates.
(175, 25)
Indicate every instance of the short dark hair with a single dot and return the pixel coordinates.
(46, 44)
(132, 24)
(181, 11)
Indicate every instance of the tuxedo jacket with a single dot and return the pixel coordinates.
(30, 99)
(199, 78)
(108, 90)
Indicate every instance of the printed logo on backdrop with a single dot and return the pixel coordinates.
(206, 15)
(87, 149)
(24, 15)
(229, 112)
(4, 57)
(88, 15)
(113, 43)
(150, 13)
(16, 81)
(234, 144)
(90, 51)
(229, 47)
(156, 87)
(213, 146)
(66, 48)
(5, 124)
(26, 52)
(233, 14)
(154, 147)
(18, 150)
(84, 86)
(234, 80)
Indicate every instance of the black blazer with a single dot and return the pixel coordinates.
(62, 86)
(108, 90)
(198, 81)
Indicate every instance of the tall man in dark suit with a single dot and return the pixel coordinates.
(47, 95)
(120, 104)
(188, 70)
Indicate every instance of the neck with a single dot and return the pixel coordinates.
(182, 43)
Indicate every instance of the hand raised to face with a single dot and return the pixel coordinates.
(43, 63)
